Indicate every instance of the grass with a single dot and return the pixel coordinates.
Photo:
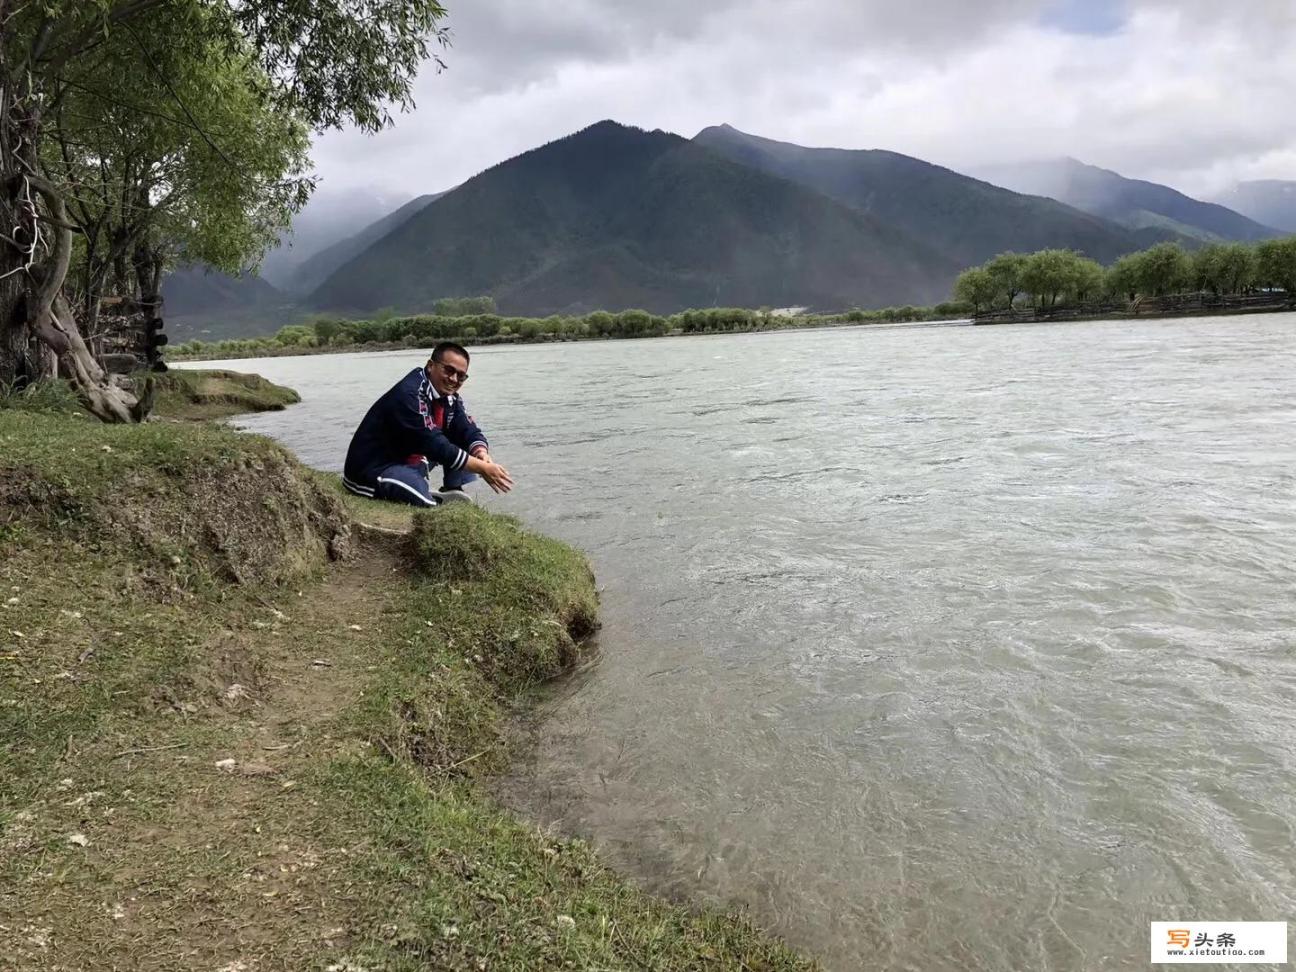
(218, 394)
(227, 749)
(186, 395)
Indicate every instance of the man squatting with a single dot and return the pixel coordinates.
(419, 423)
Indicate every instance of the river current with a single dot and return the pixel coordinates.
(937, 647)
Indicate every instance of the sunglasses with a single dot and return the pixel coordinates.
(454, 374)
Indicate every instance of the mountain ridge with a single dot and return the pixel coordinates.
(968, 218)
(613, 216)
(1135, 203)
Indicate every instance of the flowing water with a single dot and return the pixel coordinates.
(939, 647)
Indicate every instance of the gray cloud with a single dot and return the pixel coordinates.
(1182, 91)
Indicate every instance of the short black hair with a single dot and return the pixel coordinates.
(444, 346)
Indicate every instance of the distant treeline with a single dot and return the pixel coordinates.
(423, 330)
(1052, 278)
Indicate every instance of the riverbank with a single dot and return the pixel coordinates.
(423, 331)
(1179, 305)
(246, 731)
(205, 395)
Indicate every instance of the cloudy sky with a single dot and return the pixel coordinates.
(1192, 93)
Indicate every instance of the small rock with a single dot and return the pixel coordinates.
(226, 765)
(12, 600)
(106, 448)
(566, 923)
(355, 627)
(175, 560)
(449, 931)
(65, 783)
(18, 634)
(80, 840)
(235, 692)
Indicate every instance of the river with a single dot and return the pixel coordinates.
(939, 647)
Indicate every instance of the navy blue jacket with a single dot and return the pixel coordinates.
(410, 420)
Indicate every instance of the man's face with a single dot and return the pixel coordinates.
(448, 374)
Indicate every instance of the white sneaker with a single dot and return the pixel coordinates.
(452, 496)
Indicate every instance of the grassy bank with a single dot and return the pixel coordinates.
(218, 394)
(327, 335)
(190, 395)
(244, 732)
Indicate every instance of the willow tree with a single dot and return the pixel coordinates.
(189, 157)
(318, 63)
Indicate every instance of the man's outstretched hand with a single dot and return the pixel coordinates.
(496, 476)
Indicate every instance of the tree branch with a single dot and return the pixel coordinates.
(80, 42)
(183, 107)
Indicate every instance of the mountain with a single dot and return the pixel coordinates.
(203, 303)
(331, 215)
(316, 269)
(615, 217)
(1130, 202)
(964, 217)
(1269, 201)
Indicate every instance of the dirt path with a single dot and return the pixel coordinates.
(194, 838)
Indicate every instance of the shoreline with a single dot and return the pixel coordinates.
(1151, 314)
(476, 344)
(258, 726)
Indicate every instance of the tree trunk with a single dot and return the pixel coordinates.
(13, 331)
(34, 260)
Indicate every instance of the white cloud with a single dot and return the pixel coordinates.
(1192, 93)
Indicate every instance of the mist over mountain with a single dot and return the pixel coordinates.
(316, 269)
(331, 215)
(966, 218)
(1269, 201)
(1133, 203)
(616, 217)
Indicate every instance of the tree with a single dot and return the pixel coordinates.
(1276, 264)
(326, 328)
(145, 179)
(1006, 269)
(977, 287)
(324, 63)
(1124, 276)
(1048, 274)
(1238, 267)
(1164, 269)
(1087, 279)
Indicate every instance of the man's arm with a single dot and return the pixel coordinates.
(479, 458)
